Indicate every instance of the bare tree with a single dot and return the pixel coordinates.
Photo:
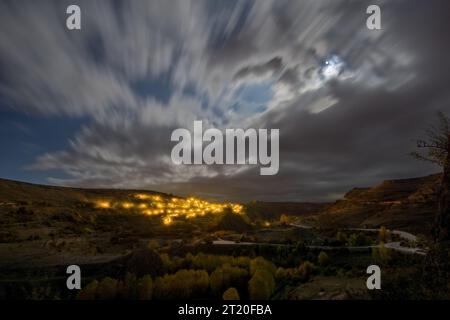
(436, 149)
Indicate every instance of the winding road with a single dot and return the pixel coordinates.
(395, 245)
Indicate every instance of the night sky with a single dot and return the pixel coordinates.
(96, 107)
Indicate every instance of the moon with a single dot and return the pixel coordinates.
(331, 67)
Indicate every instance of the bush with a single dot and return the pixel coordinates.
(227, 276)
(127, 289)
(341, 237)
(384, 235)
(381, 255)
(323, 259)
(207, 262)
(306, 270)
(258, 288)
(358, 240)
(145, 261)
(89, 292)
(107, 289)
(145, 288)
(184, 284)
(261, 263)
(284, 219)
(231, 294)
(281, 274)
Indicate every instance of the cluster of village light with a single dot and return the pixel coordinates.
(170, 208)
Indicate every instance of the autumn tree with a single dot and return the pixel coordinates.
(384, 234)
(107, 289)
(126, 289)
(341, 237)
(231, 294)
(284, 219)
(227, 276)
(436, 149)
(184, 284)
(305, 270)
(261, 285)
(145, 288)
(261, 263)
(381, 254)
(323, 259)
(89, 292)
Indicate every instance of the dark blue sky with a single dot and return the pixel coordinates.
(24, 137)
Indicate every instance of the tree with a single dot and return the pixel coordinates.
(384, 234)
(231, 294)
(226, 276)
(381, 255)
(127, 289)
(107, 289)
(259, 287)
(281, 274)
(305, 270)
(184, 284)
(341, 237)
(358, 239)
(145, 261)
(284, 219)
(436, 149)
(261, 263)
(89, 292)
(145, 288)
(323, 259)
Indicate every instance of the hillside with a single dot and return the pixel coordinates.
(22, 192)
(43, 229)
(273, 210)
(406, 204)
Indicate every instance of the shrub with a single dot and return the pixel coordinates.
(281, 274)
(145, 261)
(89, 292)
(127, 289)
(208, 262)
(226, 276)
(261, 285)
(384, 234)
(381, 255)
(358, 239)
(261, 263)
(306, 270)
(184, 284)
(231, 294)
(341, 237)
(284, 219)
(107, 289)
(258, 289)
(145, 288)
(323, 259)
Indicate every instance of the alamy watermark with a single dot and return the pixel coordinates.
(234, 146)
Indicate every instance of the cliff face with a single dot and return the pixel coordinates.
(407, 204)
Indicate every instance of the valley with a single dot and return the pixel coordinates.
(117, 234)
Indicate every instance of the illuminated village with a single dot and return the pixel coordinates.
(169, 208)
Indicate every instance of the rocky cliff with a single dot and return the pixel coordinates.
(407, 204)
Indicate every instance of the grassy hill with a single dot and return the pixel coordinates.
(22, 192)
